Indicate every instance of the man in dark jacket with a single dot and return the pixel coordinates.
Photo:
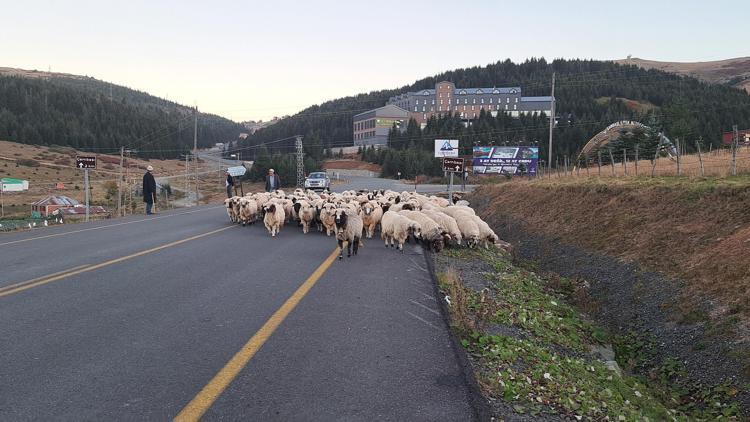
(230, 184)
(272, 181)
(149, 189)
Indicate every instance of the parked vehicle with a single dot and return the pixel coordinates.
(318, 181)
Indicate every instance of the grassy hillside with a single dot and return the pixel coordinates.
(734, 72)
(684, 107)
(59, 109)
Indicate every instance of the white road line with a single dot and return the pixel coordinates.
(425, 307)
(107, 226)
(426, 322)
(428, 297)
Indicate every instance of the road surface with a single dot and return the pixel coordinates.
(181, 313)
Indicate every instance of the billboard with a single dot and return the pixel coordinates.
(511, 160)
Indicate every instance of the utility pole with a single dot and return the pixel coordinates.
(195, 150)
(300, 161)
(735, 144)
(119, 184)
(551, 123)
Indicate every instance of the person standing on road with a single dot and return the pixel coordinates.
(149, 189)
(230, 184)
(272, 181)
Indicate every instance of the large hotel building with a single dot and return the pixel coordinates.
(371, 127)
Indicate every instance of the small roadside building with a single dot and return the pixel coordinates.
(8, 184)
(51, 203)
(372, 127)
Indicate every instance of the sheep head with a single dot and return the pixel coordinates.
(415, 229)
(341, 218)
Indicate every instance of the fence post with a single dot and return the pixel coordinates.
(636, 160)
(700, 158)
(735, 144)
(599, 156)
(656, 157)
(625, 161)
(587, 166)
(612, 161)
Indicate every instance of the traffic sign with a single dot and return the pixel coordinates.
(455, 165)
(237, 171)
(446, 148)
(86, 161)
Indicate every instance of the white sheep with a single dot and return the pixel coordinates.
(486, 235)
(371, 213)
(432, 234)
(447, 222)
(248, 210)
(327, 218)
(396, 227)
(469, 229)
(306, 215)
(230, 209)
(274, 217)
(349, 230)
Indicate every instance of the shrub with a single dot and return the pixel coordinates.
(27, 162)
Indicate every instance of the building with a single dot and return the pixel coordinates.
(8, 184)
(744, 136)
(372, 127)
(468, 102)
(50, 204)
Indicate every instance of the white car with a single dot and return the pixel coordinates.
(318, 181)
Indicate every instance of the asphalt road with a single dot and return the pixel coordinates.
(145, 314)
(357, 183)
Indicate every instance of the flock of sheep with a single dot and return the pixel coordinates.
(352, 215)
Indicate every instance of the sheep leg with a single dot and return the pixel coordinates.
(341, 249)
(356, 244)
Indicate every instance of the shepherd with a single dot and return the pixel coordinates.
(149, 189)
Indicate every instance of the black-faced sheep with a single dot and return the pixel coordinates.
(274, 217)
(349, 230)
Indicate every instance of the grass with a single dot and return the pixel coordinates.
(544, 364)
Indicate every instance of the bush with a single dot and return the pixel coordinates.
(27, 162)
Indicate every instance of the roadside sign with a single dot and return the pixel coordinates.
(446, 148)
(455, 165)
(236, 171)
(86, 161)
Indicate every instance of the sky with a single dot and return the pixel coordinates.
(257, 59)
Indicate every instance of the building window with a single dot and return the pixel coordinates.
(516, 99)
(464, 108)
(507, 100)
(466, 101)
(433, 102)
(415, 108)
(506, 106)
(482, 100)
(424, 117)
(441, 102)
(473, 100)
(423, 108)
(514, 106)
(472, 108)
(457, 100)
(490, 100)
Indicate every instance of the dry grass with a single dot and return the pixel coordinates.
(56, 166)
(717, 163)
(697, 229)
(452, 286)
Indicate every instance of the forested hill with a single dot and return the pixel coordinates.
(89, 114)
(590, 95)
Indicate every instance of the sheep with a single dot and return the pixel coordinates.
(230, 209)
(306, 214)
(327, 217)
(486, 235)
(248, 210)
(349, 230)
(455, 211)
(394, 226)
(469, 229)
(274, 217)
(371, 213)
(236, 208)
(447, 222)
(432, 234)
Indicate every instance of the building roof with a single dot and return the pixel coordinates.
(388, 107)
(530, 99)
(473, 91)
(10, 180)
(61, 200)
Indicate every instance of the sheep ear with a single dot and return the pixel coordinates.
(398, 199)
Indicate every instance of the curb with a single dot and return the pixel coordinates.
(478, 402)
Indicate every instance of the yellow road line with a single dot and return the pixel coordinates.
(11, 286)
(65, 274)
(104, 227)
(208, 395)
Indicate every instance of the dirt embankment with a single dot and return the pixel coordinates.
(694, 232)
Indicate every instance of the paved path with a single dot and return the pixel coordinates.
(145, 311)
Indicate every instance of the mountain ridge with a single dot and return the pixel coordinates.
(734, 72)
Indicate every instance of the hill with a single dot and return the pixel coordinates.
(590, 95)
(734, 72)
(44, 108)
